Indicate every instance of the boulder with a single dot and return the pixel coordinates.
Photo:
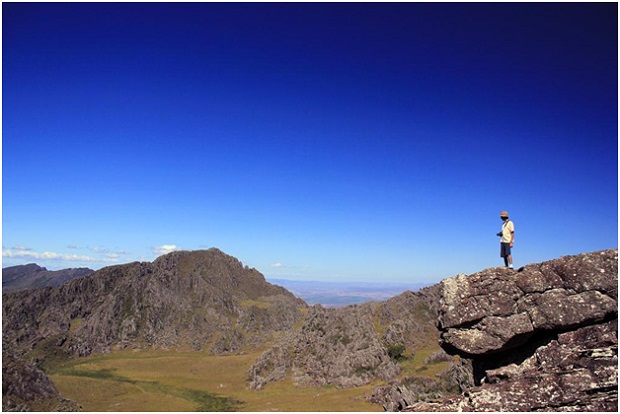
(27, 388)
(499, 309)
(544, 338)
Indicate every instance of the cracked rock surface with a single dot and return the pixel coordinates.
(541, 339)
(499, 309)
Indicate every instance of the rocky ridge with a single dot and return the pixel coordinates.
(183, 299)
(350, 346)
(541, 339)
(32, 276)
(202, 299)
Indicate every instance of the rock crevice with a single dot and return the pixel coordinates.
(541, 339)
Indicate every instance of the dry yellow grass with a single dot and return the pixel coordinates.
(100, 395)
(166, 381)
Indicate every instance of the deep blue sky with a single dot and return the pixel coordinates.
(312, 141)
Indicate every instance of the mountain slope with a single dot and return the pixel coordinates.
(541, 339)
(351, 346)
(184, 299)
(32, 276)
(26, 388)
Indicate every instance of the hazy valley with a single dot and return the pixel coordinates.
(340, 293)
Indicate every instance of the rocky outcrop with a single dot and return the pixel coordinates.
(184, 299)
(541, 339)
(32, 276)
(350, 346)
(333, 347)
(409, 318)
(26, 388)
(399, 395)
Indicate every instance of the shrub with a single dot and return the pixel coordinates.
(395, 351)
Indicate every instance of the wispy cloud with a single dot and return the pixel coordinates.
(111, 254)
(165, 249)
(32, 255)
(28, 253)
(279, 265)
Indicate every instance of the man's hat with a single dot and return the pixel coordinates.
(503, 214)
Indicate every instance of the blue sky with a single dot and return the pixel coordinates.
(371, 142)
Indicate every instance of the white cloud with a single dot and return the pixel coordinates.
(102, 255)
(278, 265)
(110, 254)
(22, 248)
(165, 249)
(99, 250)
(32, 255)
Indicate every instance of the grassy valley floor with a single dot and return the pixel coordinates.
(159, 380)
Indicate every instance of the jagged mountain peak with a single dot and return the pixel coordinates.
(192, 299)
(201, 254)
(220, 270)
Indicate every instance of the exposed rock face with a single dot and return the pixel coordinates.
(334, 347)
(575, 372)
(349, 346)
(409, 318)
(398, 396)
(498, 309)
(32, 276)
(188, 299)
(27, 388)
(542, 339)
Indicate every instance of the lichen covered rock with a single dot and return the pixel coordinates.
(541, 339)
(498, 309)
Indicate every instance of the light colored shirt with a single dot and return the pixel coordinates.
(507, 229)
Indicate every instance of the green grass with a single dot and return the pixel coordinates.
(414, 366)
(246, 304)
(171, 380)
(75, 325)
(159, 380)
(203, 400)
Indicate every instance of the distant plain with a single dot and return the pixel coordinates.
(341, 293)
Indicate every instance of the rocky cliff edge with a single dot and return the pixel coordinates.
(544, 338)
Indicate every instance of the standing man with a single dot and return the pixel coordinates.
(508, 237)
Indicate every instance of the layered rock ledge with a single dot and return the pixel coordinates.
(544, 338)
(498, 309)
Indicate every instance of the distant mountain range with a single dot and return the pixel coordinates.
(326, 293)
(32, 276)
